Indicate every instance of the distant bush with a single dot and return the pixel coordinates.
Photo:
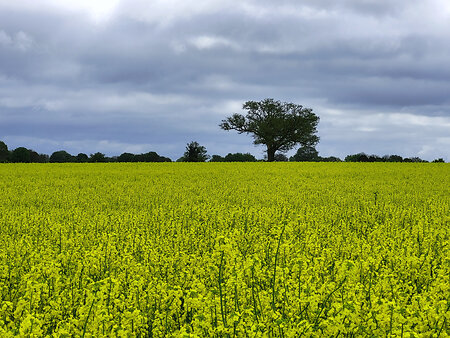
(329, 159)
(362, 157)
(438, 160)
(414, 160)
(82, 158)
(240, 157)
(217, 158)
(305, 154)
(61, 156)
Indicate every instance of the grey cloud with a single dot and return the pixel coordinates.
(146, 78)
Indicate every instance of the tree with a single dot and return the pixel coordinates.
(38, 158)
(82, 158)
(20, 155)
(97, 157)
(149, 157)
(414, 160)
(374, 158)
(4, 152)
(360, 157)
(194, 153)
(239, 157)
(392, 158)
(438, 160)
(277, 125)
(61, 156)
(165, 159)
(126, 157)
(306, 153)
(329, 159)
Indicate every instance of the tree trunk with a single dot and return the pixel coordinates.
(270, 154)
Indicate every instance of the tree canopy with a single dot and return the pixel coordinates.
(4, 152)
(61, 156)
(306, 153)
(234, 157)
(239, 157)
(98, 157)
(82, 158)
(20, 155)
(194, 153)
(277, 125)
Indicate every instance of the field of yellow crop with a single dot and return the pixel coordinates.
(225, 250)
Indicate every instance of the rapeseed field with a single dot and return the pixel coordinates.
(225, 250)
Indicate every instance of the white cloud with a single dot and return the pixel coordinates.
(167, 12)
(209, 42)
(414, 120)
(97, 10)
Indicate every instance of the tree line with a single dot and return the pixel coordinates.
(24, 155)
(194, 152)
(280, 126)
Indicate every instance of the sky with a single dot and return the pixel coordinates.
(116, 76)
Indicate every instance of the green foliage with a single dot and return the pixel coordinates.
(240, 157)
(61, 156)
(39, 158)
(127, 157)
(362, 157)
(306, 153)
(393, 158)
(82, 158)
(194, 153)
(4, 152)
(150, 157)
(278, 125)
(414, 160)
(20, 155)
(222, 250)
(234, 157)
(329, 159)
(98, 157)
(439, 160)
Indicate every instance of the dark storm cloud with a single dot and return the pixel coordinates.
(163, 74)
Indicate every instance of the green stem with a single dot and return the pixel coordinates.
(275, 266)
(224, 317)
(316, 321)
(87, 318)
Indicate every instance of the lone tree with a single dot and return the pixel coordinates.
(194, 153)
(278, 125)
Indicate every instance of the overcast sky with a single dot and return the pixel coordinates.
(152, 75)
